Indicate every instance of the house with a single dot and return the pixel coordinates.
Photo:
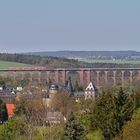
(9, 99)
(10, 109)
(78, 95)
(91, 92)
(8, 88)
(53, 90)
(8, 96)
(19, 89)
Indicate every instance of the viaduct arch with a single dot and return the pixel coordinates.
(100, 76)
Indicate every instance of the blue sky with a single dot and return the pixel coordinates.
(50, 25)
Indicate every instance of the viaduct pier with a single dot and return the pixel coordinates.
(100, 76)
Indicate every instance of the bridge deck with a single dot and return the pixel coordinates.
(67, 69)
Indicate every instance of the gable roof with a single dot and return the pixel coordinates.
(10, 109)
(90, 87)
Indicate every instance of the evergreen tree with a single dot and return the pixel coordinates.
(3, 112)
(73, 130)
(77, 87)
(123, 109)
(111, 112)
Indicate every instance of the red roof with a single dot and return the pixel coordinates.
(10, 109)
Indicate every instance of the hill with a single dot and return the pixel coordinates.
(41, 61)
(96, 54)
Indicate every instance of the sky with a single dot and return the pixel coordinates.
(54, 25)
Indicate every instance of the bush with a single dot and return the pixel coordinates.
(49, 132)
(12, 128)
(96, 135)
(131, 130)
(3, 111)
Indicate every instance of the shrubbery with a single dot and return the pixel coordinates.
(131, 130)
(3, 112)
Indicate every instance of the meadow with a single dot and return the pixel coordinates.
(133, 62)
(6, 64)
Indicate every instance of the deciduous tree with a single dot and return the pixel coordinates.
(64, 103)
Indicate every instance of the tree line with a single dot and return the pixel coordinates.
(54, 61)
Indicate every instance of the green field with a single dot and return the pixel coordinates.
(6, 64)
(134, 62)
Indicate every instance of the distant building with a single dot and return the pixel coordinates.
(9, 99)
(69, 87)
(78, 95)
(55, 118)
(53, 90)
(19, 89)
(8, 88)
(91, 92)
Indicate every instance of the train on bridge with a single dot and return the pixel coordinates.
(28, 68)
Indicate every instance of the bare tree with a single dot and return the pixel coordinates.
(64, 103)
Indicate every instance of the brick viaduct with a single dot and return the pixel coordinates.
(100, 76)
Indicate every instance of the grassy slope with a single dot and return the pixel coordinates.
(6, 64)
